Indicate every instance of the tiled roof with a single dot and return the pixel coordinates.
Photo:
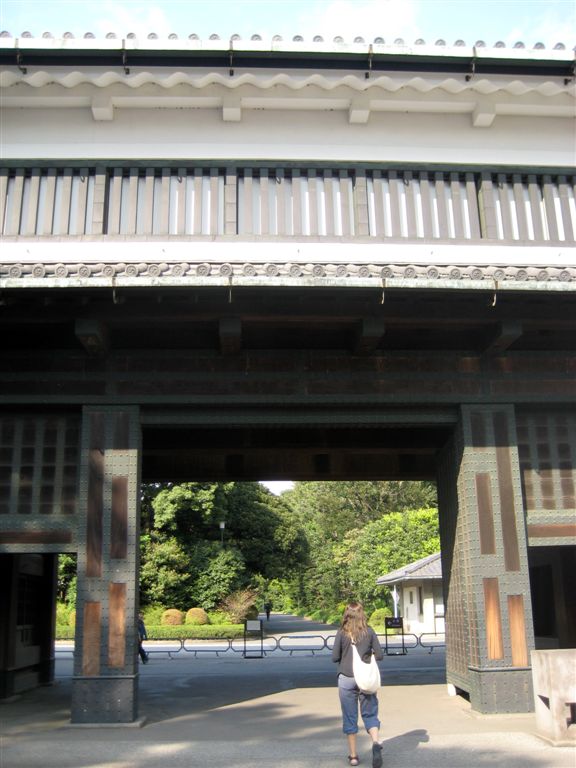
(429, 567)
(312, 42)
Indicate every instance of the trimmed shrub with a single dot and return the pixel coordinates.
(196, 616)
(377, 618)
(219, 617)
(172, 617)
(190, 632)
(64, 633)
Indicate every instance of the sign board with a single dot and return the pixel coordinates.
(254, 625)
(394, 622)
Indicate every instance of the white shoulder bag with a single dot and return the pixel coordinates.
(366, 676)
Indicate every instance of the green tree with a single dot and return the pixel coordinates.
(183, 563)
(384, 545)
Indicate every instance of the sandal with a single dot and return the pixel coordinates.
(376, 755)
(353, 759)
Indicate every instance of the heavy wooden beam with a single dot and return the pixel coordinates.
(93, 335)
(506, 334)
(369, 334)
(230, 331)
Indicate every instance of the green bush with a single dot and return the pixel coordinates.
(153, 614)
(196, 616)
(219, 617)
(62, 615)
(191, 632)
(64, 633)
(377, 618)
(172, 617)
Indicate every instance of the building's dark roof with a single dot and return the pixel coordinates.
(429, 567)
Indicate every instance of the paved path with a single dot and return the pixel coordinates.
(280, 710)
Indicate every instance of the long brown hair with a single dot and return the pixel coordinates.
(354, 622)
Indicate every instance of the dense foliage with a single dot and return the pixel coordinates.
(188, 560)
(309, 551)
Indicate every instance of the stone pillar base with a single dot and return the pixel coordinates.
(104, 700)
(501, 691)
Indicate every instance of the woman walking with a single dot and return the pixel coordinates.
(354, 629)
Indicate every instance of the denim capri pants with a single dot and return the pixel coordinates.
(350, 695)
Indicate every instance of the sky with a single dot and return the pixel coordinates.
(509, 21)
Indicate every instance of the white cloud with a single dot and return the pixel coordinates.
(388, 19)
(139, 19)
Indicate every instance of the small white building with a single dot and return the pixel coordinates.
(417, 592)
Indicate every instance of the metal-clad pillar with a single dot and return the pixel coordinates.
(105, 683)
(489, 630)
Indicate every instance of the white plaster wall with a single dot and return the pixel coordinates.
(286, 135)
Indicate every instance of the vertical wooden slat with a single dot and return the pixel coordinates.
(264, 202)
(117, 625)
(119, 518)
(181, 196)
(3, 198)
(281, 201)
(456, 194)
(378, 185)
(131, 215)
(396, 188)
(345, 203)
(506, 488)
(92, 642)
(297, 201)
(13, 224)
(214, 200)
(360, 192)
(65, 199)
(198, 203)
(82, 202)
(518, 186)
(535, 198)
(443, 224)
(565, 208)
(505, 212)
(248, 201)
(164, 203)
(410, 197)
(473, 209)
(313, 200)
(493, 619)
(426, 200)
(517, 621)
(148, 207)
(231, 202)
(29, 227)
(115, 202)
(485, 514)
(548, 194)
(95, 512)
(329, 202)
(98, 225)
(488, 222)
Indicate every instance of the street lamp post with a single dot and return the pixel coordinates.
(222, 526)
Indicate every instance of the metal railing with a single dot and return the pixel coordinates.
(285, 643)
(286, 202)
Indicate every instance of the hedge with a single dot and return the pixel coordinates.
(182, 632)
